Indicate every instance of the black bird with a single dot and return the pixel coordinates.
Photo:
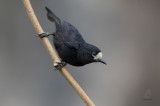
(70, 45)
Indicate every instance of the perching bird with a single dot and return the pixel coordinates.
(70, 45)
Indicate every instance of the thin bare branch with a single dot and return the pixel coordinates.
(54, 56)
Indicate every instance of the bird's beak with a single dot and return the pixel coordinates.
(102, 61)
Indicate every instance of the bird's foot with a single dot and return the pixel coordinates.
(60, 65)
(45, 34)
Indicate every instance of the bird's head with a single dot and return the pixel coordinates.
(96, 54)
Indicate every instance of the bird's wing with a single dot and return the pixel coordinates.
(72, 37)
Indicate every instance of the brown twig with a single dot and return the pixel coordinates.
(54, 56)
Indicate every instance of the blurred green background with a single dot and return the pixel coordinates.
(127, 32)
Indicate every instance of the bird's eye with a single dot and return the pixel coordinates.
(93, 54)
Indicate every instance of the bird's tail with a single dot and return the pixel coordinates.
(52, 17)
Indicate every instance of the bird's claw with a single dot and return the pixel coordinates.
(60, 65)
(45, 34)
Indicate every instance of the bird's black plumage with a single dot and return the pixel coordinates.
(70, 45)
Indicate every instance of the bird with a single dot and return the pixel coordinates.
(70, 45)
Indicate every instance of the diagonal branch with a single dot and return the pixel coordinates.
(54, 56)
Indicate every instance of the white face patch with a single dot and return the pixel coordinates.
(98, 56)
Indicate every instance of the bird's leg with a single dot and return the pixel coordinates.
(45, 34)
(60, 65)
